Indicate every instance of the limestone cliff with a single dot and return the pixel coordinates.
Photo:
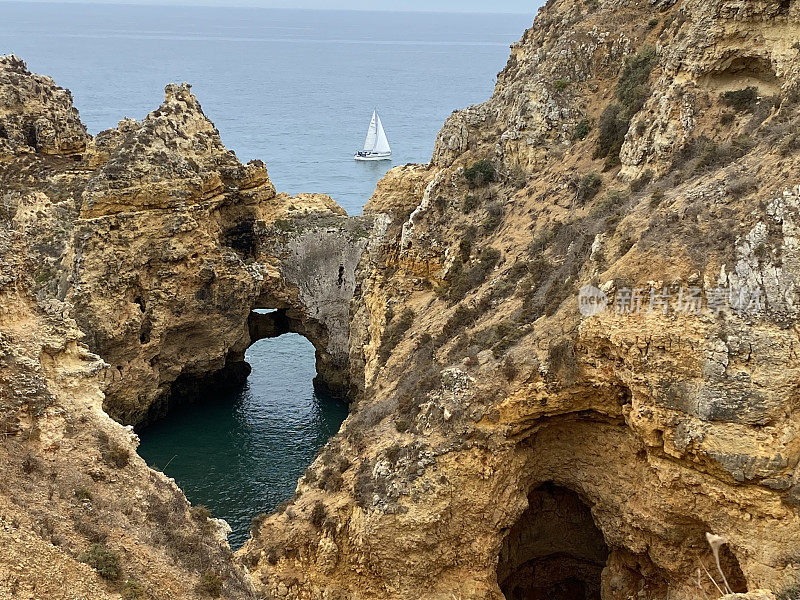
(647, 149)
(131, 264)
(502, 442)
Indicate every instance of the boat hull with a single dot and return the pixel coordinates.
(375, 156)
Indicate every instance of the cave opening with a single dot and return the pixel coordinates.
(238, 448)
(554, 551)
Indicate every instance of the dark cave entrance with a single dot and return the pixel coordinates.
(554, 551)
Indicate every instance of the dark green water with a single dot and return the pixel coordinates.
(241, 454)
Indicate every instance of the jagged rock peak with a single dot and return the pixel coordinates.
(175, 152)
(36, 115)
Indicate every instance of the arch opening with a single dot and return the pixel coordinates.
(554, 551)
(239, 449)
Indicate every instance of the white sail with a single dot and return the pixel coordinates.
(372, 133)
(381, 143)
(376, 146)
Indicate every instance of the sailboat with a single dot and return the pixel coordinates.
(376, 146)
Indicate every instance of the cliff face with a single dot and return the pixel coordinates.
(131, 264)
(647, 149)
(570, 337)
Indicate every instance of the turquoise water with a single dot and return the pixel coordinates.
(295, 89)
(241, 453)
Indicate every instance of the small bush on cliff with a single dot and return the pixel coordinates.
(561, 84)
(587, 187)
(715, 155)
(480, 173)
(632, 88)
(494, 216)
(133, 590)
(102, 560)
(394, 333)
(792, 593)
(258, 521)
(465, 243)
(612, 127)
(318, 515)
(461, 280)
(210, 584)
(200, 513)
(509, 368)
(631, 92)
(582, 129)
(470, 203)
(742, 100)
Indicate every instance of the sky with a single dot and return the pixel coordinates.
(494, 6)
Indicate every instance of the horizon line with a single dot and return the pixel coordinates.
(212, 4)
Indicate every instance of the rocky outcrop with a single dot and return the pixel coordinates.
(570, 337)
(611, 163)
(35, 114)
(131, 265)
(169, 259)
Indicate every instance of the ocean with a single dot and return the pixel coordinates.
(296, 89)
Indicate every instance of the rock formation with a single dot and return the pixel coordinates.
(132, 262)
(569, 339)
(646, 149)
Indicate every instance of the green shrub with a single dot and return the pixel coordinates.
(461, 317)
(133, 590)
(480, 173)
(210, 584)
(494, 216)
(561, 84)
(582, 129)
(318, 515)
(608, 205)
(612, 127)
(102, 560)
(742, 100)
(465, 243)
(470, 203)
(631, 92)
(83, 494)
(715, 155)
(462, 279)
(652, 24)
(588, 187)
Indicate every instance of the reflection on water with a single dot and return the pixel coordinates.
(241, 453)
